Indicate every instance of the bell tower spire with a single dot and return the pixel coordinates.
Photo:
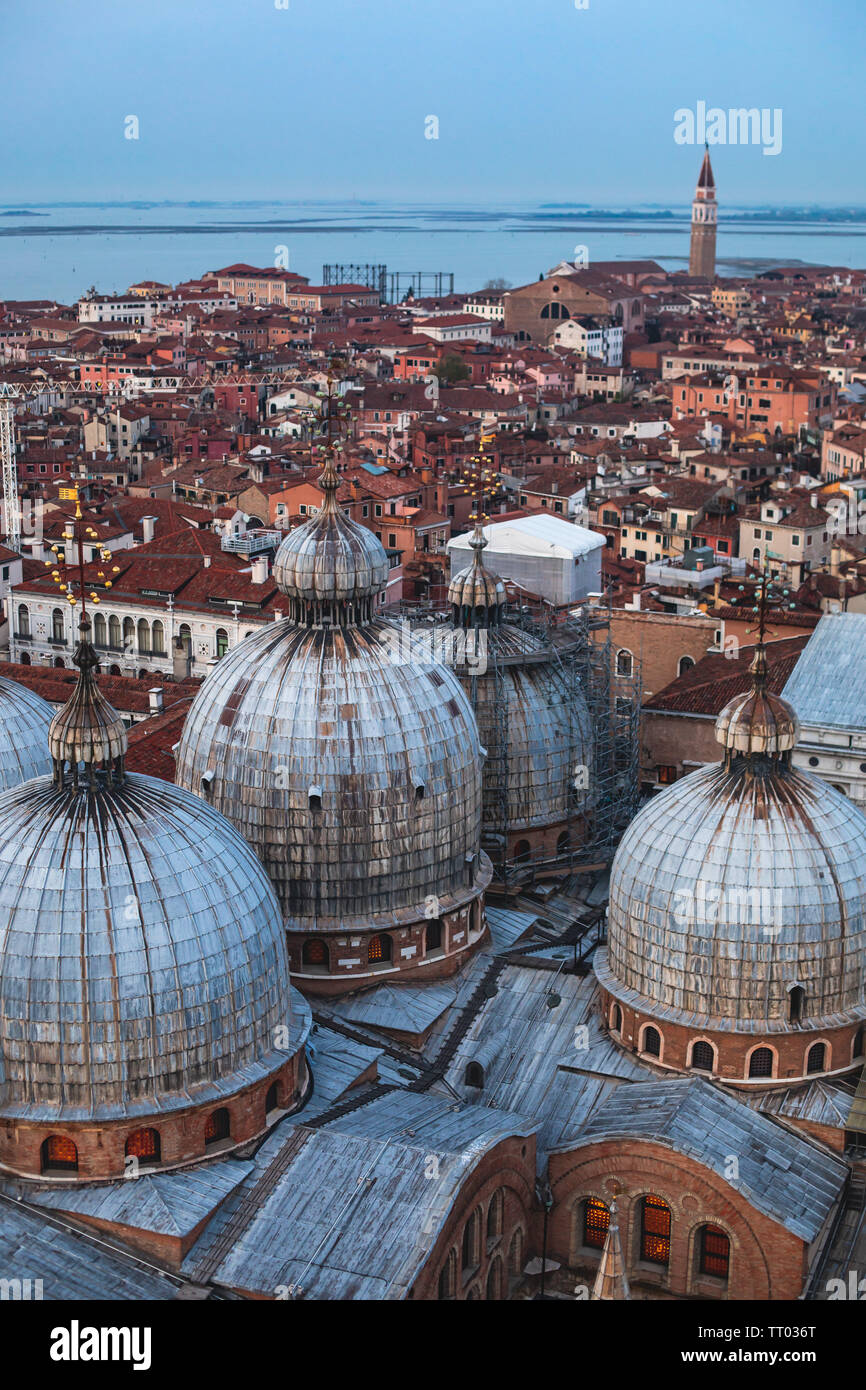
(702, 251)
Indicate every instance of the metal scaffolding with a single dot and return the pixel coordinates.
(390, 285)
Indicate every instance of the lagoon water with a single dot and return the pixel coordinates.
(57, 251)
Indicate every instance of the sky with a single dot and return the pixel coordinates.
(533, 100)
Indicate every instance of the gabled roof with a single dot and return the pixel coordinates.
(788, 1177)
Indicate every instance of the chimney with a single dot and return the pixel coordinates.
(157, 700)
(260, 569)
(835, 557)
(814, 499)
(206, 562)
(148, 526)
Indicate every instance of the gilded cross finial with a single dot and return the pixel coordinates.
(480, 482)
(69, 576)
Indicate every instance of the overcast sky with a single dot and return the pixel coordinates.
(535, 99)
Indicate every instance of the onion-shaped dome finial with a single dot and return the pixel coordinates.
(756, 722)
(87, 729)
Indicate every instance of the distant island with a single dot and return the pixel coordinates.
(23, 212)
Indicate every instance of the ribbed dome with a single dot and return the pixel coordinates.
(142, 959)
(331, 558)
(733, 886)
(88, 729)
(24, 721)
(757, 722)
(350, 766)
(476, 587)
(536, 728)
(332, 568)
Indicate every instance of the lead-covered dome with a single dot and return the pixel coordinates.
(143, 966)
(142, 959)
(349, 761)
(24, 721)
(738, 896)
(351, 766)
(331, 560)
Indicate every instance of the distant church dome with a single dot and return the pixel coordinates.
(350, 764)
(738, 898)
(143, 968)
(24, 721)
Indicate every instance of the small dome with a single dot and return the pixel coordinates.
(475, 587)
(757, 722)
(24, 722)
(330, 560)
(88, 729)
(142, 960)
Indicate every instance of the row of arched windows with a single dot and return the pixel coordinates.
(316, 953)
(761, 1060)
(471, 1252)
(59, 1153)
(625, 663)
(713, 1244)
(110, 633)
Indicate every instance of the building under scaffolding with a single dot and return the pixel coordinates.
(561, 776)
(391, 285)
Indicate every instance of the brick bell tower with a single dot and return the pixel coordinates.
(702, 251)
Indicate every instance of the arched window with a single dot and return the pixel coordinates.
(714, 1251)
(761, 1062)
(858, 1044)
(703, 1056)
(23, 620)
(100, 631)
(817, 1058)
(652, 1042)
(624, 662)
(114, 671)
(222, 642)
(316, 955)
(144, 1144)
(515, 1254)
(272, 1099)
(616, 1018)
(158, 638)
(448, 1277)
(494, 1217)
(217, 1127)
(655, 1231)
(143, 636)
(470, 1252)
(563, 844)
(494, 1281)
(796, 1003)
(433, 935)
(57, 628)
(59, 1152)
(128, 635)
(58, 661)
(596, 1219)
(685, 664)
(185, 638)
(24, 658)
(474, 1075)
(522, 851)
(379, 949)
(114, 632)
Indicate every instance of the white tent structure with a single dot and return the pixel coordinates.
(543, 554)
